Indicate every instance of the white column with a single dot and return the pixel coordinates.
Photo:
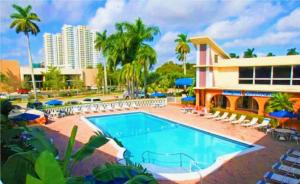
(197, 63)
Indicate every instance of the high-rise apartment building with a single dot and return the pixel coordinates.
(73, 48)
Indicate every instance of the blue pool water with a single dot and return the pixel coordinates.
(150, 139)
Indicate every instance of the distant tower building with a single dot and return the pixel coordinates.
(73, 48)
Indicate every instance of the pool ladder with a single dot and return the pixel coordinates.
(146, 158)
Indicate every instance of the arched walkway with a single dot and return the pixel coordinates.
(247, 103)
(220, 101)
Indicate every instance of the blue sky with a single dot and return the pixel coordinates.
(235, 24)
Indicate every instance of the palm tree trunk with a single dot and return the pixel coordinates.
(31, 67)
(145, 79)
(105, 77)
(184, 65)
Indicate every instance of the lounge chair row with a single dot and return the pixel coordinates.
(241, 120)
(286, 171)
(92, 108)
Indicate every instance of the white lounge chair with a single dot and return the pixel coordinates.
(109, 108)
(263, 124)
(76, 110)
(240, 120)
(286, 169)
(231, 118)
(134, 106)
(225, 115)
(102, 109)
(118, 107)
(251, 123)
(290, 160)
(94, 109)
(278, 178)
(216, 114)
(85, 110)
(126, 107)
(293, 152)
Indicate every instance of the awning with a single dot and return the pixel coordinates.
(157, 94)
(189, 99)
(283, 114)
(25, 117)
(184, 82)
(54, 102)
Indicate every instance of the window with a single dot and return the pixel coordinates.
(281, 82)
(296, 82)
(263, 72)
(296, 71)
(281, 71)
(216, 58)
(262, 81)
(243, 81)
(246, 72)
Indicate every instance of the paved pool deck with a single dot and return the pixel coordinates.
(244, 169)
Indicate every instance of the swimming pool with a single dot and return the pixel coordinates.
(155, 140)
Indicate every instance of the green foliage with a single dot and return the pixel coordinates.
(47, 169)
(292, 51)
(249, 53)
(77, 83)
(280, 101)
(54, 79)
(234, 55)
(17, 166)
(131, 172)
(100, 76)
(69, 150)
(270, 54)
(3, 78)
(182, 49)
(5, 106)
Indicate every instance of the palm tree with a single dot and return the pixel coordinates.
(270, 54)
(24, 21)
(280, 101)
(101, 45)
(292, 51)
(249, 53)
(182, 49)
(146, 56)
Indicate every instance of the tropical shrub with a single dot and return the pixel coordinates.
(5, 106)
(280, 101)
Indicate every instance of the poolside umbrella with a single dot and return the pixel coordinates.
(157, 94)
(189, 99)
(181, 82)
(25, 117)
(283, 114)
(54, 102)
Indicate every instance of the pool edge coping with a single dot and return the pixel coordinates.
(178, 176)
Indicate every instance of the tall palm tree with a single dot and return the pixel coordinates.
(234, 55)
(182, 49)
(24, 21)
(292, 51)
(249, 53)
(101, 45)
(280, 101)
(146, 56)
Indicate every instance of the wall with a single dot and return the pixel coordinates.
(226, 76)
(11, 69)
(89, 77)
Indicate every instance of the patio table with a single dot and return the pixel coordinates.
(283, 134)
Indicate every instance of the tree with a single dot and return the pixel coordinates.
(54, 79)
(101, 45)
(270, 54)
(126, 45)
(234, 55)
(249, 53)
(24, 21)
(280, 101)
(292, 51)
(77, 83)
(182, 49)
(100, 76)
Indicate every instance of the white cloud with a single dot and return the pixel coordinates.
(244, 24)
(271, 38)
(290, 22)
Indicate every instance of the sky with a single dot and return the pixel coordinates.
(267, 26)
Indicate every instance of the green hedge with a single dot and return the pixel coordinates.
(249, 115)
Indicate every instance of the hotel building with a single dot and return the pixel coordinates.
(242, 83)
(73, 48)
